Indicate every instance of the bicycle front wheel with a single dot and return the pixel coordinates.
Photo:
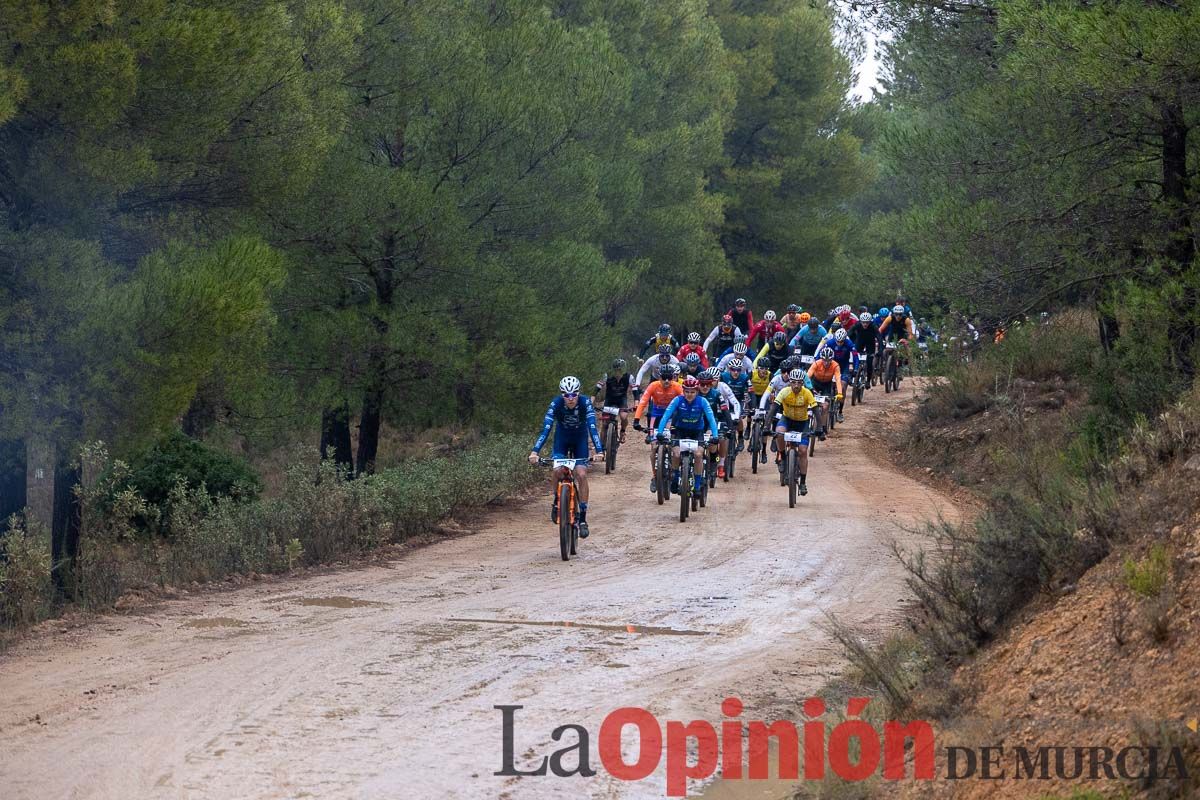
(566, 519)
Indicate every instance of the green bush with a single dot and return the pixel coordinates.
(154, 472)
(25, 589)
(1147, 578)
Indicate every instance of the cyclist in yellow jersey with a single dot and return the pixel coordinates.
(793, 403)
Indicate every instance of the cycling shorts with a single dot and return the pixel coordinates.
(687, 433)
(571, 444)
(787, 424)
(823, 387)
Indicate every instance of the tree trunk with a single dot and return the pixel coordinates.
(64, 542)
(1180, 247)
(200, 416)
(368, 431)
(335, 437)
(13, 497)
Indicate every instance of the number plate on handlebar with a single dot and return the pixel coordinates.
(890, 346)
(820, 398)
(795, 437)
(612, 410)
(688, 445)
(567, 463)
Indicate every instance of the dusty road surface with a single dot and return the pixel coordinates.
(381, 682)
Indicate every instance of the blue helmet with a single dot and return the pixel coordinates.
(883, 312)
(692, 359)
(664, 329)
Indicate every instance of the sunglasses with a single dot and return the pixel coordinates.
(570, 395)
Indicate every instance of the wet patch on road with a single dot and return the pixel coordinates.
(338, 602)
(215, 622)
(652, 629)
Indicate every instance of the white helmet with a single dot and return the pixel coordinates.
(569, 385)
(735, 363)
(897, 309)
(827, 354)
(770, 316)
(796, 375)
(740, 348)
(839, 335)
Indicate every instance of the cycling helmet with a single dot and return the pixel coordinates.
(898, 309)
(835, 325)
(693, 338)
(734, 365)
(883, 312)
(690, 382)
(769, 316)
(711, 374)
(619, 365)
(727, 319)
(805, 317)
(741, 301)
(839, 336)
(664, 329)
(764, 366)
(569, 385)
(779, 338)
(692, 359)
(793, 308)
(796, 375)
(664, 349)
(739, 337)
(788, 364)
(827, 354)
(813, 323)
(740, 348)
(865, 317)
(668, 372)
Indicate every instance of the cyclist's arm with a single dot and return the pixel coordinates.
(711, 336)
(837, 378)
(642, 372)
(547, 423)
(703, 358)
(591, 423)
(883, 326)
(761, 353)
(601, 387)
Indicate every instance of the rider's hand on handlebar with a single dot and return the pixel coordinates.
(533, 458)
(637, 424)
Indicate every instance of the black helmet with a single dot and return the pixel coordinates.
(664, 329)
(668, 371)
(779, 338)
(619, 364)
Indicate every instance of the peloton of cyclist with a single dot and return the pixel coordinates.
(655, 400)
(689, 417)
(573, 419)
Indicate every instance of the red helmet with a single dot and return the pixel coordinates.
(690, 382)
(727, 319)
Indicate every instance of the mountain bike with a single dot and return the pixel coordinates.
(890, 369)
(610, 423)
(568, 502)
(689, 500)
(758, 442)
(793, 442)
(731, 449)
(858, 386)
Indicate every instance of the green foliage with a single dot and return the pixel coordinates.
(176, 458)
(25, 591)
(1147, 578)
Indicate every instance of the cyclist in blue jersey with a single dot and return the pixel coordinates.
(846, 355)
(689, 417)
(573, 419)
(809, 338)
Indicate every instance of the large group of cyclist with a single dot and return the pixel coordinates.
(779, 384)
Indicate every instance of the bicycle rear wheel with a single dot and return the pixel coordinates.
(612, 439)
(566, 521)
(755, 446)
(792, 476)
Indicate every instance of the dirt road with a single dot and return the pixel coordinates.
(381, 682)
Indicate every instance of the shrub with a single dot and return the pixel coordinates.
(25, 588)
(154, 472)
(1147, 578)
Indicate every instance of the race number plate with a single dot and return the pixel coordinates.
(688, 445)
(890, 346)
(794, 437)
(567, 463)
(612, 410)
(806, 359)
(820, 398)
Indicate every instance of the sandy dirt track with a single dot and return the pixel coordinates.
(368, 683)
